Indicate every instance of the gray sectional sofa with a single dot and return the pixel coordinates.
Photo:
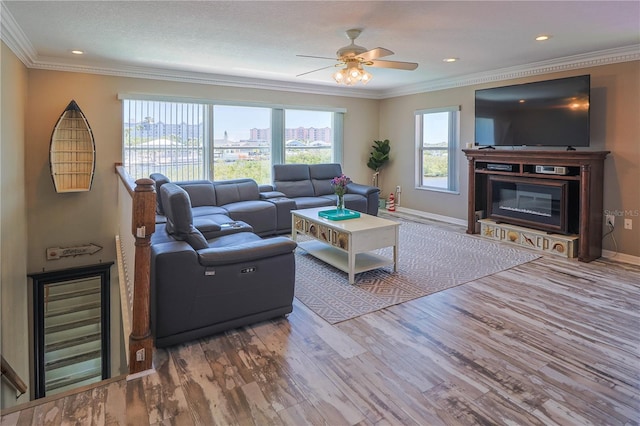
(267, 208)
(210, 268)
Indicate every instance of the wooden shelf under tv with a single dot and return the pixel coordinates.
(585, 167)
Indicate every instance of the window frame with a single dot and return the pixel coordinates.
(278, 130)
(452, 148)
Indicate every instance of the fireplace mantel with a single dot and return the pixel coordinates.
(584, 167)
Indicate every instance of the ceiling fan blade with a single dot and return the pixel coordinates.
(319, 69)
(316, 57)
(376, 53)
(409, 66)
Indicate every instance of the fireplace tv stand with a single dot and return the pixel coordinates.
(585, 168)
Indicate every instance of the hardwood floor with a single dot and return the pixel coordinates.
(551, 342)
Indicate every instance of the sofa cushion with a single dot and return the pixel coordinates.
(321, 175)
(233, 191)
(351, 201)
(293, 180)
(207, 211)
(201, 193)
(311, 202)
(259, 213)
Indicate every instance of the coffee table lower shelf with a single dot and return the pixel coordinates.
(340, 258)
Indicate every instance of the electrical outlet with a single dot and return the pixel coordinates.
(610, 220)
(140, 355)
(398, 189)
(628, 224)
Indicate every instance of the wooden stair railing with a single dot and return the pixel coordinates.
(143, 215)
(12, 377)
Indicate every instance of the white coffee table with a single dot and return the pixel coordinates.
(346, 244)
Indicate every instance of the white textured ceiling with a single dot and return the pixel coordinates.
(260, 39)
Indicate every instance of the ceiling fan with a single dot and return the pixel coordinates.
(354, 58)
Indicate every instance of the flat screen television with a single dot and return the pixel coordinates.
(543, 113)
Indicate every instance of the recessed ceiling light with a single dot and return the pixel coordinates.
(77, 52)
(450, 59)
(543, 37)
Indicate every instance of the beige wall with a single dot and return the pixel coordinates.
(14, 304)
(615, 126)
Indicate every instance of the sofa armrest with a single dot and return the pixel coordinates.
(271, 194)
(245, 252)
(265, 187)
(366, 190)
(205, 225)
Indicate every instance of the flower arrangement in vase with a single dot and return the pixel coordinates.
(339, 184)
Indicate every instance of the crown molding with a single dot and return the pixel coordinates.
(13, 36)
(15, 39)
(586, 60)
(151, 73)
(604, 57)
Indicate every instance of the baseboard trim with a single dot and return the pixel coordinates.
(432, 216)
(607, 254)
(620, 257)
(140, 374)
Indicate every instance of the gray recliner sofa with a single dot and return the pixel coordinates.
(203, 286)
(309, 185)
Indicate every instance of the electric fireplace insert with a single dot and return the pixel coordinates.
(535, 203)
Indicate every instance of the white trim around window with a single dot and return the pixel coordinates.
(437, 138)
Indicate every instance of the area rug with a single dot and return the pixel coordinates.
(432, 258)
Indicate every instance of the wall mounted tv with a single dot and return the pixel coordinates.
(543, 113)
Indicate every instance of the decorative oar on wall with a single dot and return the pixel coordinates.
(72, 152)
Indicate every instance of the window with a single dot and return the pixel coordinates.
(437, 146)
(186, 140)
(241, 143)
(164, 137)
(308, 137)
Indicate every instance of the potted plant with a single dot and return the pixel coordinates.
(378, 157)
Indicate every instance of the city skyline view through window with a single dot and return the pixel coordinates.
(199, 141)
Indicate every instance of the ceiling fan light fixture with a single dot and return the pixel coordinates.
(354, 58)
(351, 74)
(366, 77)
